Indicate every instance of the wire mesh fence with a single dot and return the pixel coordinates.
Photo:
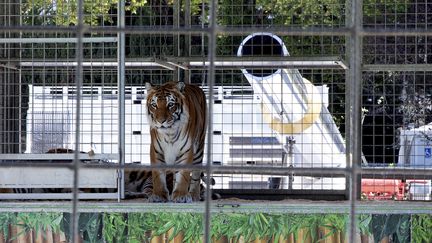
(320, 101)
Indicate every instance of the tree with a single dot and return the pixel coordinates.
(62, 12)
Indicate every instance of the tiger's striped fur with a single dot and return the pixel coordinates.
(177, 114)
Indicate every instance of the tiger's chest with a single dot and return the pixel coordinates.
(174, 145)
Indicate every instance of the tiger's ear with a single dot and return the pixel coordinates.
(149, 86)
(181, 86)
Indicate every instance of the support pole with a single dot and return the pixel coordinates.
(121, 95)
(355, 89)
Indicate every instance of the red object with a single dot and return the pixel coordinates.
(383, 189)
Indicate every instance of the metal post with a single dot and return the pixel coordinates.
(121, 95)
(176, 37)
(78, 82)
(355, 78)
(211, 76)
(187, 38)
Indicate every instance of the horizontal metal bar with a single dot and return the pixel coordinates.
(91, 64)
(259, 170)
(49, 196)
(228, 206)
(396, 176)
(251, 59)
(195, 65)
(398, 67)
(9, 66)
(227, 62)
(282, 194)
(269, 64)
(57, 156)
(286, 30)
(399, 172)
(278, 30)
(57, 40)
(273, 170)
(395, 32)
(103, 29)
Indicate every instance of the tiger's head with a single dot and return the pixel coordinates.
(165, 104)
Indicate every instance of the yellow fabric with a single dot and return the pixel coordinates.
(310, 116)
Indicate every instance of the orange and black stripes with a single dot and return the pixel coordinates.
(177, 114)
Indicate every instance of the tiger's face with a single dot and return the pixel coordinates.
(164, 104)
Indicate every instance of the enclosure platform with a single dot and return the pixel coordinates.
(282, 194)
(225, 206)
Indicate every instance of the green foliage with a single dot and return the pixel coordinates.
(254, 226)
(89, 226)
(336, 223)
(191, 225)
(310, 222)
(364, 223)
(421, 228)
(114, 227)
(5, 220)
(377, 8)
(140, 227)
(39, 221)
(385, 225)
(304, 13)
(48, 12)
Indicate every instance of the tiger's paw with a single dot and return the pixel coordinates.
(181, 198)
(196, 197)
(157, 199)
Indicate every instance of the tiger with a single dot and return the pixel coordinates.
(177, 117)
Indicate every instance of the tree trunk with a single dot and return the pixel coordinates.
(158, 239)
(366, 238)
(325, 236)
(222, 239)
(2, 237)
(303, 236)
(59, 237)
(177, 239)
(38, 236)
(385, 239)
(261, 240)
(282, 239)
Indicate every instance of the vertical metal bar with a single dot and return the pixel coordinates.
(121, 94)
(356, 91)
(176, 37)
(210, 78)
(187, 42)
(20, 109)
(348, 114)
(78, 82)
(20, 98)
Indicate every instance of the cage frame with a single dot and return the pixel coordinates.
(354, 30)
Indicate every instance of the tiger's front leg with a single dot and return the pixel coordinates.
(181, 187)
(160, 190)
(195, 186)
